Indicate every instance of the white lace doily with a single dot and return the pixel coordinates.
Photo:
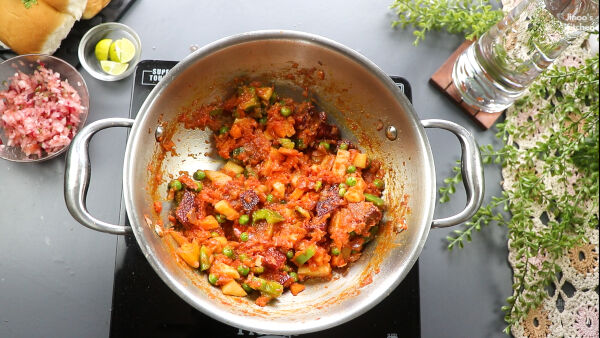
(571, 310)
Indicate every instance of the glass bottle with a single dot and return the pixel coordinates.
(497, 69)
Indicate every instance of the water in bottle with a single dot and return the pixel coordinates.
(496, 70)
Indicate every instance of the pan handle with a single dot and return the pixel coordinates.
(472, 172)
(77, 176)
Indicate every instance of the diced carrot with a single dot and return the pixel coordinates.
(296, 288)
(288, 152)
(296, 194)
(236, 131)
(262, 300)
(157, 207)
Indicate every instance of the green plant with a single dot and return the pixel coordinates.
(29, 3)
(455, 16)
(568, 156)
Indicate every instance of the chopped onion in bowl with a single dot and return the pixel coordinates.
(39, 112)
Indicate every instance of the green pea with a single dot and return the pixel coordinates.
(290, 254)
(199, 175)
(286, 111)
(213, 279)
(351, 181)
(175, 185)
(343, 146)
(247, 288)
(258, 269)
(199, 186)
(325, 145)
(227, 251)
(318, 185)
(342, 192)
(215, 234)
(244, 237)
(242, 257)
(220, 218)
(294, 276)
(351, 169)
(243, 270)
(262, 121)
(223, 130)
(335, 251)
(378, 184)
(269, 198)
(244, 219)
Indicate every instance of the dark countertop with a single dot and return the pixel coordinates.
(56, 277)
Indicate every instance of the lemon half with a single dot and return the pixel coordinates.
(102, 48)
(122, 50)
(113, 68)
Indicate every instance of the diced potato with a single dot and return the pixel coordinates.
(354, 195)
(360, 161)
(262, 188)
(209, 223)
(224, 208)
(232, 167)
(321, 271)
(190, 252)
(222, 240)
(264, 92)
(341, 162)
(232, 288)
(224, 270)
(295, 178)
(178, 237)
(217, 177)
(278, 189)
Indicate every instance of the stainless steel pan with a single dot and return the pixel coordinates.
(358, 96)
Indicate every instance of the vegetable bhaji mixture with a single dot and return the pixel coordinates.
(293, 200)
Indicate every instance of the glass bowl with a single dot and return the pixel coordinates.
(28, 64)
(109, 30)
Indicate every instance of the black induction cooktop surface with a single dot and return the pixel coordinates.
(144, 306)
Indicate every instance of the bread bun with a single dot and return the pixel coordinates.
(38, 29)
(93, 7)
(73, 7)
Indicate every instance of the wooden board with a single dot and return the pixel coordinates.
(442, 79)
